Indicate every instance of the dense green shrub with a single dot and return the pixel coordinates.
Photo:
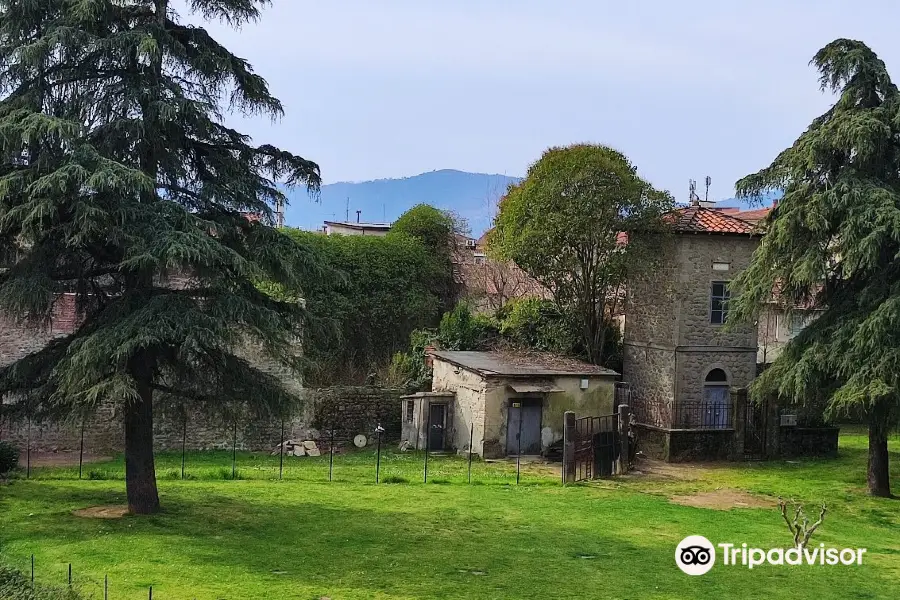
(16, 586)
(461, 330)
(9, 458)
(435, 229)
(408, 369)
(537, 324)
(379, 291)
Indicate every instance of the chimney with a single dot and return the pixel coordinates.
(429, 357)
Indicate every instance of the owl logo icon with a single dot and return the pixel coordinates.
(695, 555)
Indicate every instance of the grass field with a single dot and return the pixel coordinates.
(306, 538)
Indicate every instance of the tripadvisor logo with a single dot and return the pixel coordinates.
(696, 555)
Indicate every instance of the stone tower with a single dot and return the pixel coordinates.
(677, 358)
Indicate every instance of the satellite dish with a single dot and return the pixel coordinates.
(360, 441)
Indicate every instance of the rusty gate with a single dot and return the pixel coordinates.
(597, 447)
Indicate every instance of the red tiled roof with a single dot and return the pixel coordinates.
(698, 219)
(754, 216)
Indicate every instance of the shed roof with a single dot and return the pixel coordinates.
(520, 364)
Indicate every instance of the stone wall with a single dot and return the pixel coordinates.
(798, 442)
(650, 371)
(685, 445)
(471, 391)
(695, 256)
(651, 314)
(353, 410)
(694, 365)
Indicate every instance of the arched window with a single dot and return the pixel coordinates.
(716, 376)
(716, 400)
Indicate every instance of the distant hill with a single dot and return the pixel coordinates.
(763, 201)
(471, 195)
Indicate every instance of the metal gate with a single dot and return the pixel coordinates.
(755, 431)
(597, 446)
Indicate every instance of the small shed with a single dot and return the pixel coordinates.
(425, 418)
(510, 403)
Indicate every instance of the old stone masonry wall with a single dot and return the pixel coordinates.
(349, 410)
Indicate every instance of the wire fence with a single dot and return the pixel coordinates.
(64, 576)
(330, 456)
(381, 463)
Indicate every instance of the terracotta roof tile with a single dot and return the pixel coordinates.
(755, 216)
(698, 219)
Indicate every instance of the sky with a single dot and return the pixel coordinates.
(686, 89)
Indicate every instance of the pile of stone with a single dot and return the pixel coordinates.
(298, 448)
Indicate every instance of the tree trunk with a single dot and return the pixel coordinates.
(878, 474)
(140, 471)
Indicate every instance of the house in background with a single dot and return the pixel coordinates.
(348, 228)
(509, 403)
(778, 326)
(487, 283)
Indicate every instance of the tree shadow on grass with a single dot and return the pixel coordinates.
(400, 549)
(240, 540)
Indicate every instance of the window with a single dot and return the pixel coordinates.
(718, 309)
(797, 323)
(409, 411)
(716, 376)
(479, 258)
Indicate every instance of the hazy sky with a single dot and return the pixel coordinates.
(686, 89)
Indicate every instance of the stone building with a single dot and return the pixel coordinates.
(679, 361)
(508, 403)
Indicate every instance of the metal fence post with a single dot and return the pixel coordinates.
(70, 574)
(427, 438)
(28, 451)
(81, 450)
(568, 466)
(331, 454)
(32, 571)
(183, 441)
(471, 438)
(233, 455)
(281, 452)
(378, 431)
(519, 447)
(106, 587)
(624, 428)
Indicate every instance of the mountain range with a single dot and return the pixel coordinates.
(472, 196)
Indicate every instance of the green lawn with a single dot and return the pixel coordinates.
(306, 538)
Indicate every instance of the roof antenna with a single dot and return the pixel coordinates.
(357, 215)
(708, 183)
(347, 215)
(694, 198)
